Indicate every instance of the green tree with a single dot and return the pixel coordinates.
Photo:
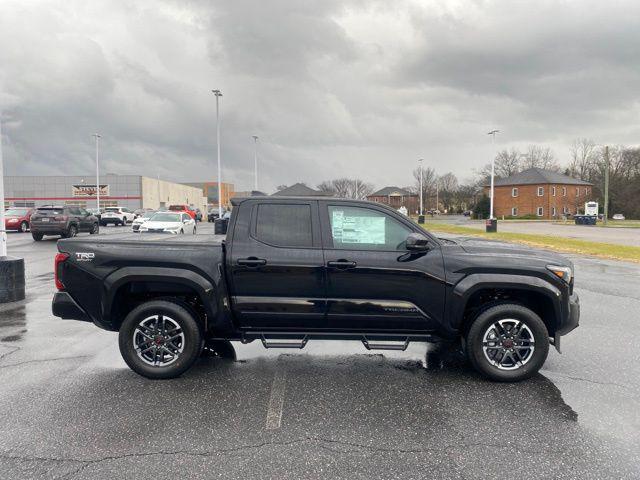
(481, 209)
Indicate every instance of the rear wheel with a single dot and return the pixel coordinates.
(24, 226)
(160, 339)
(37, 236)
(71, 232)
(507, 343)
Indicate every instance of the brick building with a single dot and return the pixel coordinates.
(396, 197)
(540, 193)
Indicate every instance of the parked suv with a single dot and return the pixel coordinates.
(65, 221)
(117, 216)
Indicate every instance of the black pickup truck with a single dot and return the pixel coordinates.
(295, 269)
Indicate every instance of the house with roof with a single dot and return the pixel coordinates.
(541, 193)
(396, 197)
(301, 190)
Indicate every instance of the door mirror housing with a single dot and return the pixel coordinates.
(417, 243)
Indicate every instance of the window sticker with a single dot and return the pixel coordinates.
(354, 229)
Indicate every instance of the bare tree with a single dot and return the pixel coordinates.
(584, 158)
(507, 163)
(281, 187)
(538, 156)
(347, 188)
(448, 185)
(428, 183)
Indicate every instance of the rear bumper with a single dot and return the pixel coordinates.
(65, 307)
(573, 319)
(49, 229)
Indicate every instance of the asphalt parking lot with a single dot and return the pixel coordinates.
(70, 408)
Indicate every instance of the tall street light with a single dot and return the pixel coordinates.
(97, 137)
(255, 162)
(420, 167)
(218, 94)
(493, 168)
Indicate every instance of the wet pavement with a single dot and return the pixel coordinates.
(70, 408)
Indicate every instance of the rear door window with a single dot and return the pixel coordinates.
(284, 225)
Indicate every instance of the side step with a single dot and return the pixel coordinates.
(298, 343)
(400, 345)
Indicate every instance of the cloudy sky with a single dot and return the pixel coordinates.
(333, 88)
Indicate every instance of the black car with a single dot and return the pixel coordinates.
(213, 214)
(65, 221)
(296, 269)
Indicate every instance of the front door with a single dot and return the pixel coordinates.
(373, 282)
(277, 266)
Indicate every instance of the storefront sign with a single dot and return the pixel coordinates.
(83, 190)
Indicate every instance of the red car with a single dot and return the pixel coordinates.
(183, 208)
(17, 218)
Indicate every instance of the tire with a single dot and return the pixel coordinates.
(71, 232)
(181, 232)
(37, 236)
(174, 314)
(24, 226)
(503, 367)
(95, 229)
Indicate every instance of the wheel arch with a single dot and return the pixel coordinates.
(478, 292)
(132, 286)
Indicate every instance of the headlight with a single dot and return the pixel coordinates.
(565, 273)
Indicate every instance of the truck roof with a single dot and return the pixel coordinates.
(238, 200)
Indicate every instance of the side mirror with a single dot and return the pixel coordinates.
(417, 243)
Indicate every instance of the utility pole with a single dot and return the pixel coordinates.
(255, 162)
(218, 94)
(606, 184)
(493, 170)
(357, 197)
(98, 137)
(3, 231)
(437, 195)
(420, 167)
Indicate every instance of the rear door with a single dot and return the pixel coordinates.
(373, 282)
(276, 265)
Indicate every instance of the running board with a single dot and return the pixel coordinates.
(385, 344)
(298, 343)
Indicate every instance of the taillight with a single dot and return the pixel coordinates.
(60, 219)
(60, 258)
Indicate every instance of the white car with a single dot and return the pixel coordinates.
(137, 223)
(618, 216)
(175, 223)
(117, 216)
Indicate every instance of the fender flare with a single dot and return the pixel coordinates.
(203, 287)
(473, 283)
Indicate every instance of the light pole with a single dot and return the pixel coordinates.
(605, 217)
(3, 232)
(357, 197)
(255, 162)
(218, 94)
(420, 167)
(493, 168)
(97, 137)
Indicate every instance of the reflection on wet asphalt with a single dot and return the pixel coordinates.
(69, 407)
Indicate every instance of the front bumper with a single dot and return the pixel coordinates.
(573, 319)
(12, 225)
(64, 306)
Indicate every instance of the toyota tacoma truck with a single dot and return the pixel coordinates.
(292, 270)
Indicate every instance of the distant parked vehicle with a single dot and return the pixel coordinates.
(183, 208)
(17, 219)
(141, 219)
(403, 210)
(467, 213)
(117, 216)
(65, 221)
(212, 214)
(96, 212)
(591, 208)
(176, 223)
(618, 216)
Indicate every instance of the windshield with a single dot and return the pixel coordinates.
(148, 214)
(166, 217)
(16, 212)
(50, 211)
(111, 209)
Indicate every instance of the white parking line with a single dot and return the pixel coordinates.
(276, 400)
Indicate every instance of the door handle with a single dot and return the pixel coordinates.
(342, 264)
(252, 262)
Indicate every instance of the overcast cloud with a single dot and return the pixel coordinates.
(333, 88)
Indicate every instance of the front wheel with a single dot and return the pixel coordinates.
(24, 226)
(95, 229)
(507, 343)
(160, 340)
